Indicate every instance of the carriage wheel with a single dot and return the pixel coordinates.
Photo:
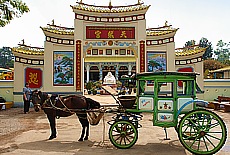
(205, 132)
(123, 134)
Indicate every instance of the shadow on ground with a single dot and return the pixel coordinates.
(89, 147)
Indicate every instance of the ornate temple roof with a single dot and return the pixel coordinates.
(188, 51)
(167, 29)
(70, 31)
(110, 8)
(58, 29)
(28, 50)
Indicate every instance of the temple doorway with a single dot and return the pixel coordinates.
(94, 73)
(123, 70)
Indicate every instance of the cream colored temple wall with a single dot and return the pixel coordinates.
(48, 68)
(7, 89)
(140, 35)
(171, 56)
(79, 35)
(19, 81)
(216, 87)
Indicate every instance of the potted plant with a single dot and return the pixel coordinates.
(89, 86)
(94, 90)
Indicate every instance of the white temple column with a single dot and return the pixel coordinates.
(87, 72)
(100, 71)
(116, 71)
(130, 69)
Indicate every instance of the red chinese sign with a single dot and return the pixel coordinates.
(33, 77)
(101, 32)
(142, 56)
(78, 65)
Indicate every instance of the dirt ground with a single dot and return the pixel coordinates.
(28, 133)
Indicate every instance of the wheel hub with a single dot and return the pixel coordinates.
(123, 134)
(202, 133)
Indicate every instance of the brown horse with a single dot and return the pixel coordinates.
(56, 107)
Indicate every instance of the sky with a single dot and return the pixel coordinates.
(195, 19)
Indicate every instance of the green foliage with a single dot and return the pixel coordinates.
(9, 9)
(211, 64)
(208, 45)
(89, 85)
(6, 58)
(222, 51)
(190, 43)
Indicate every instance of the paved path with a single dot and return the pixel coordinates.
(150, 140)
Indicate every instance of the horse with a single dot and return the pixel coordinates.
(55, 107)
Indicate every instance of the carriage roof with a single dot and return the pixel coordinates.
(157, 74)
(174, 74)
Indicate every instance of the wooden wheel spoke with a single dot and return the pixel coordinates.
(205, 144)
(213, 137)
(214, 125)
(210, 141)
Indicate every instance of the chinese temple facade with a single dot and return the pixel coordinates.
(104, 38)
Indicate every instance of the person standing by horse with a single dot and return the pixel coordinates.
(26, 97)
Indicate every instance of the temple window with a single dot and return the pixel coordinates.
(95, 52)
(122, 52)
(108, 51)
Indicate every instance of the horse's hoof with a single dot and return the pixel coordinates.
(52, 137)
(80, 140)
(86, 138)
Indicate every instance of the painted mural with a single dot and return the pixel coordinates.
(156, 61)
(63, 68)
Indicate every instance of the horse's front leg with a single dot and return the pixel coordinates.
(52, 121)
(87, 131)
(85, 125)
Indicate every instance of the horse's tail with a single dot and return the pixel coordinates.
(92, 103)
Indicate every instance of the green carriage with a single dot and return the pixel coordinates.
(172, 99)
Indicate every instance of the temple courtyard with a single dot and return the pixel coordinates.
(28, 133)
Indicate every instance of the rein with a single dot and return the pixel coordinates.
(65, 109)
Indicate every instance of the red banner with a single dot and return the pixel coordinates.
(100, 32)
(33, 77)
(142, 56)
(78, 65)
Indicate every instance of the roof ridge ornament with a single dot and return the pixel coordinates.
(110, 5)
(53, 22)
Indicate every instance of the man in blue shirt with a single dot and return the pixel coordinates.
(26, 98)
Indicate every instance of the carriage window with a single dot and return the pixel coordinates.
(144, 88)
(185, 87)
(165, 89)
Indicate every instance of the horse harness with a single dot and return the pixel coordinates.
(48, 101)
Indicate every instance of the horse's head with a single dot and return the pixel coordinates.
(38, 98)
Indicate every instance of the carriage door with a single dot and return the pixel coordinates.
(185, 93)
(165, 100)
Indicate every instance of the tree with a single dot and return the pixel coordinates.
(9, 9)
(6, 58)
(222, 51)
(208, 45)
(190, 43)
(210, 64)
